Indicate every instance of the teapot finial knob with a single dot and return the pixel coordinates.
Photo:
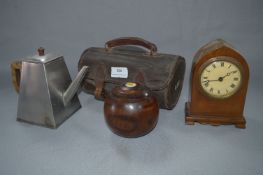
(41, 51)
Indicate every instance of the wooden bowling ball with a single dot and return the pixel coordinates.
(131, 111)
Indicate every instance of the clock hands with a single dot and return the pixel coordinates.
(207, 81)
(220, 78)
(228, 74)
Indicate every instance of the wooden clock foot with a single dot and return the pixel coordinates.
(189, 122)
(190, 119)
(242, 125)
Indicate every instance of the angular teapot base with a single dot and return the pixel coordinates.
(47, 123)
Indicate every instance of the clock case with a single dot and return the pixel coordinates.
(205, 109)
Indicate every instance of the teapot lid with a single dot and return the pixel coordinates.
(130, 90)
(42, 57)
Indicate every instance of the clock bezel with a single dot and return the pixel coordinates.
(215, 59)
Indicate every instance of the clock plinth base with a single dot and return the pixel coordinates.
(190, 119)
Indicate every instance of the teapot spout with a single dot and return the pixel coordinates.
(73, 87)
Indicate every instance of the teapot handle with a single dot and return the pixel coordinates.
(16, 74)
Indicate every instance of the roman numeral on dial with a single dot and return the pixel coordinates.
(232, 85)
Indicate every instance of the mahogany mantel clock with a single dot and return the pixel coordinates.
(219, 81)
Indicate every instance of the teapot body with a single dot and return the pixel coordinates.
(41, 90)
(46, 92)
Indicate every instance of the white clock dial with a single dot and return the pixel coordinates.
(220, 79)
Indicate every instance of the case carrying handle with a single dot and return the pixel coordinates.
(131, 41)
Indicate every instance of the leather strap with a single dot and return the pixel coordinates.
(99, 81)
(139, 78)
(131, 41)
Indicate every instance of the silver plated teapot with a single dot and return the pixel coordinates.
(47, 95)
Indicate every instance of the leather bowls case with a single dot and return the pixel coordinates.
(162, 74)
